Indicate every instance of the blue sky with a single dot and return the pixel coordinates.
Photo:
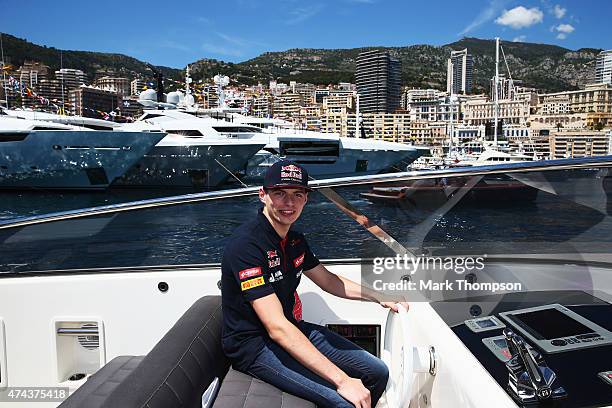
(176, 33)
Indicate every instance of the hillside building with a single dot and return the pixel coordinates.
(378, 79)
(603, 67)
(114, 84)
(70, 78)
(90, 101)
(459, 75)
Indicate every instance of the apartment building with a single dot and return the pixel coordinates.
(590, 107)
(579, 144)
(137, 86)
(385, 126)
(261, 106)
(460, 68)
(343, 103)
(31, 72)
(481, 111)
(114, 84)
(287, 105)
(378, 79)
(434, 108)
(603, 67)
(71, 78)
(89, 101)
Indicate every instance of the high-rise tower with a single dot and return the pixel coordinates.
(603, 67)
(459, 74)
(378, 78)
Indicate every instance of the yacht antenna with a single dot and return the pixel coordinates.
(221, 81)
(4, 74)
(496, 85)
(188, 98)
(187, 81)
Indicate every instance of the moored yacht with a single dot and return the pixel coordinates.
(324, 155)
(507, 309)
(197, 152)
(42, 154)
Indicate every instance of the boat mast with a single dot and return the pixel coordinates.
(495, 86)
(62, 71)
(357, 117)
(4, 74)
(452, 124)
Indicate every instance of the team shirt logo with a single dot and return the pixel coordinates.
(291, 172)
(252, 283)
(275, 276)
(299, 260)
(249, 273)
(273, 259)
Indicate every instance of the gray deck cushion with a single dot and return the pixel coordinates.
(240, 390)
(178, 370)
(102, 383)
(182, 364)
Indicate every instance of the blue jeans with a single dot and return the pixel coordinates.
(277, 367)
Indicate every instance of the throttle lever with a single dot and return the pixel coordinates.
(530, 379)
(532, 368)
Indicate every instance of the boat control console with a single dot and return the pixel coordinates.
(543, 348)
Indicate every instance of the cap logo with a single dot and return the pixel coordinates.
(291, 172)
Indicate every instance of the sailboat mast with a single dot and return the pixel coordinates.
(63, 73)
(4, 74)
(496, 91)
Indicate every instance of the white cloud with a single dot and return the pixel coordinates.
(520, 38)
(559, 11)
(486, 14)
(565, 28)
(520, 17)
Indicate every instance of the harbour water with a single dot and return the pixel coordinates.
(573, 222)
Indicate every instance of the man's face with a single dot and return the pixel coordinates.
(284, 205)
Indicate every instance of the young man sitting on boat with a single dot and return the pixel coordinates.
(263, 331)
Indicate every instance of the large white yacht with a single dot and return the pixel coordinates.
(81, 121)
(43, 154)
(508, 308)
(326, 155)
(197, 152)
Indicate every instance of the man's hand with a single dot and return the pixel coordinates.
(393, 305)
(352, 389)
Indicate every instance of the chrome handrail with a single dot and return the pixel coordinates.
(78, 331)
(520, 167)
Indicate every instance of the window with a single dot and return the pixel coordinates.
(186, 132)
(236, 129)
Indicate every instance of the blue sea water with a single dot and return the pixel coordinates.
(196, 233)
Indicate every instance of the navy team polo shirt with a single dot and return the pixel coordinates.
(257, 262)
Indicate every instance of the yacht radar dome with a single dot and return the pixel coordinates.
(175, 97)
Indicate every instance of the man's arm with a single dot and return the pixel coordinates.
(346, 288)
(291, 339)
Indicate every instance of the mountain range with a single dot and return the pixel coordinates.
(549, 68)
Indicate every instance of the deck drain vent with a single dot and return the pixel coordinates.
(91, 342)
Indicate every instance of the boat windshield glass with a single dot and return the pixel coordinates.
(562, 213)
